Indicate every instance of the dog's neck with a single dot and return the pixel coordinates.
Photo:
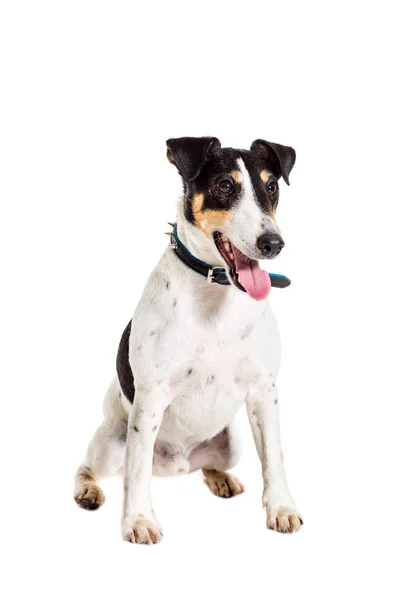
(197, 242)
(211, 300)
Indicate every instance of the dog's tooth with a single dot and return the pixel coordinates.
(227, 246)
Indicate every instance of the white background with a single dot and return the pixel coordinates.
(90, 91)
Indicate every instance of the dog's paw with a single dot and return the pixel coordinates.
(141, 530)
(284, 519)
(89, 496)
(224, 485)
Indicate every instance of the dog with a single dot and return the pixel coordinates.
(203, 341)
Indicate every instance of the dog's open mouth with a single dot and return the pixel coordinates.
(245, 272)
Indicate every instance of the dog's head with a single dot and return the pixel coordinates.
(232, 196)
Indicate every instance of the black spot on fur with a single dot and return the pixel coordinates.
(276, 401)
(135, 428)
(175, 302)
(152, 333)
(153, 415)
(189, 372)
(154, 428)
(124, 371)
(167, 285)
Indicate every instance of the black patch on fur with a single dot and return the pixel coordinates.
(124, 371)
(189, 154)
(219, 166)
(135, 428)
(282, 158)
(276, 401)
(189, 372)
(202, 163)
(154, 428)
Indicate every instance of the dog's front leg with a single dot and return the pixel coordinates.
(139, 524)
(262, 409)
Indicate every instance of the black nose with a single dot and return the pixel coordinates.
(270, 244)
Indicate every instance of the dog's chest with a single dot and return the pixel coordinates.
(210, 375)
(205, 352)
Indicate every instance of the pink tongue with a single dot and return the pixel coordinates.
(255, 281)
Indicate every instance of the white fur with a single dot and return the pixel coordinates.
(198, 351)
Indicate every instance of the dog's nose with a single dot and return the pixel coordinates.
(270, 244)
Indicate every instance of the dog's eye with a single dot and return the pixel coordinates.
(225, 186)
(272, 187)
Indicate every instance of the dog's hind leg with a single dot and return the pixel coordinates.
(105, 454)
(214, 457)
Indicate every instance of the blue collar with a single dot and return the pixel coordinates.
(213, 274)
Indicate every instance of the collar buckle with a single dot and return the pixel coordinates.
(211, 275)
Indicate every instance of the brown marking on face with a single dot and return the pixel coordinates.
(264, 175)
(237, 176)
(141, 515)
(272, 214)
(197, 203)
(208, 220)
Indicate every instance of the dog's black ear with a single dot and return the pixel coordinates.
(189, 154)
(282, 157)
